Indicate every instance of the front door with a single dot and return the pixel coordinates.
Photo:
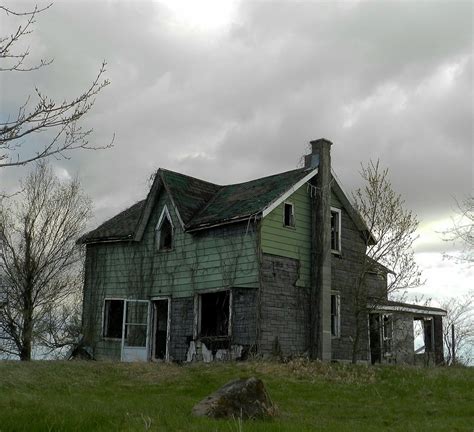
(161, 331)
(135, 334)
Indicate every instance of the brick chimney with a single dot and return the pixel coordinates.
(320, 295)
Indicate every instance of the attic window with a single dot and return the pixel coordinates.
(164, 231)
(335, 230)
(289, 215)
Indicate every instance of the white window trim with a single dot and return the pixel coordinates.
(293, 213)
(103, 317)
(337, 334)
(164, 214)
(339, 221)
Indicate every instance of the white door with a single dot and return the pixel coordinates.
(135, 331)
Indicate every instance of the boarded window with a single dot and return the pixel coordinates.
(215, 312)
(336, 230)
(335, 315)
(289, 216)
(113, 319)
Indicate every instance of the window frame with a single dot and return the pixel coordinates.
(336, 334)
(105, 316)
(165, 214)
(337, 211)
(292, 216)
(198, 313)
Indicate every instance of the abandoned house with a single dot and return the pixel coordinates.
(198, 271)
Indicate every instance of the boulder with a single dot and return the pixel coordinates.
(241, 398)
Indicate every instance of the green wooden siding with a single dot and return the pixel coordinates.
(218, 258)
(289, 242)
(295, 243)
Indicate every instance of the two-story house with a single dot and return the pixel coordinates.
(199, 271)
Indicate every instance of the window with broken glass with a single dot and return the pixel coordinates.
(336, 230)
(289, 215)
(214, 317)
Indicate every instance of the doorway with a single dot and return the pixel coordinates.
(374, 338)
(161, 329)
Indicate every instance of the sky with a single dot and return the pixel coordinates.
(228, 91)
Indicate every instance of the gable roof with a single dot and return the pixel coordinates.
(240, 201)
(200, 204)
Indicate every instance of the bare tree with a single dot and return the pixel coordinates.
(59, 120)
(460, 314)
(39, 260)
(463, 230)
(393, 227)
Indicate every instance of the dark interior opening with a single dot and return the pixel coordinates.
(161, 328)
(215, 314)
(166, 235)
(113, 318)
(375, 348)
(289, 219)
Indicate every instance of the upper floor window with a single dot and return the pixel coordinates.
(289, 215)
(164, 231)
(335, 230)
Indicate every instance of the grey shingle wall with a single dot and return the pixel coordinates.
(181, 331)
(284, 307)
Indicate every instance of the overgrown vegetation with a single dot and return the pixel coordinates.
(79, 396)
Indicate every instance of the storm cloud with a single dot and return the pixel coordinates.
(240, 97)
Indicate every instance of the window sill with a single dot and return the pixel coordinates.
(111, 339)
(336, 252)
(289, 227)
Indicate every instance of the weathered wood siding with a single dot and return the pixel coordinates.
(289, 242)
(222, 257)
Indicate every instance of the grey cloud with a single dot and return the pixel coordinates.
(244, 103)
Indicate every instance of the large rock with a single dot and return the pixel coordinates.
(245, 398)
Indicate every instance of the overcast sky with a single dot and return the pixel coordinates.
(230, 91)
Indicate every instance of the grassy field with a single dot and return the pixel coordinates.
(80, 396)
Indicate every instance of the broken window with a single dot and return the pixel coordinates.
(164, 231)
(335, 315)
(289, 216)
(387, 334)
(214, 314)
(113, 319)
(335, 230)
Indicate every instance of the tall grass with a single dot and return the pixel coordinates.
(310, 396)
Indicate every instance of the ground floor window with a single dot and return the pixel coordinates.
(214, 314)
(335, 315)
(113, 318)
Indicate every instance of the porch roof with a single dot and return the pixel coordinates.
(394, 306)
